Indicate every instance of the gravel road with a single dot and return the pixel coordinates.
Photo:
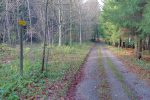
(124, 88)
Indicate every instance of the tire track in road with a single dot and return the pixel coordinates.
(124, 85)
(87, 88)
(117, 91)
(137, 85)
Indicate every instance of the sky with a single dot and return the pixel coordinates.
(100, 2)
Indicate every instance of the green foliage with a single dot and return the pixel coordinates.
(4, 48)
(62, 60)
(144, 26)
(125, 14)
(1, 6)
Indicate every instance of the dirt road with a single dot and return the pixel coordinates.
(124, 85)
(86, 89)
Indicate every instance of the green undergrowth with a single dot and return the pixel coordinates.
(61, 62)
(104, 88)
(120, 78)
(131, 59)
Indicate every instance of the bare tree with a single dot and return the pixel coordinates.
(30, 21)
(70, 22)
(60, 21)
(46, 31)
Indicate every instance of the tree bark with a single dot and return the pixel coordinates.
(46, 31)
(70, 22)
(149, 44)
(80, 25)
(120, 42)
(30, 29)
(17, 2)
(60, 23)
(7, 22)
(139, 48)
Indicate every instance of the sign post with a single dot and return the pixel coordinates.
(22, 25)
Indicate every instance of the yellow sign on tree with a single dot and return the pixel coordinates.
(22, 23)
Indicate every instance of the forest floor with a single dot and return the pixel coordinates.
(62, 64)
(82, 72)
(107, 77)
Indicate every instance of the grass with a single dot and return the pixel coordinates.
(63, 63)
(120, 77)
(130, 57)
(140, 67)
(104, 88)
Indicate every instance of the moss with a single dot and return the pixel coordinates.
(120, 78)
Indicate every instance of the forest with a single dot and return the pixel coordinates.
(40, 40)
(74, 49)
(127, 24)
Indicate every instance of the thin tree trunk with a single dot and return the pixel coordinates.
(138, 47)
(80, 25)
(149, 44)
(52, 36)
(49, 31)
(144, 44)
(30, 20)
(18, 18)
(7, 22)
(70, 22)
(4, 31)
(120, 42)
(60, 24)
(46, 30)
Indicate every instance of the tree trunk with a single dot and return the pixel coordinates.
(46, 31)
(17, 2)
(149, 44)
(139, 48)
(60, 24)
(123, 44)
(80, 23)
(7, 22)
(52, 32)
(70, 22)
(4, 35)
(120, 42)
(30, 29)
(144, 44)
(80, 26)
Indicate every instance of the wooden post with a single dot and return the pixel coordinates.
(22, 24)
(21, 50)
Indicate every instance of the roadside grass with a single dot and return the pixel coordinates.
(104, 87)
(62, 64)
(120, 77)
(140, 67)
(130, 56)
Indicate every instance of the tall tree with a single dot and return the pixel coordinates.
(115, 12)
(45, 42)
